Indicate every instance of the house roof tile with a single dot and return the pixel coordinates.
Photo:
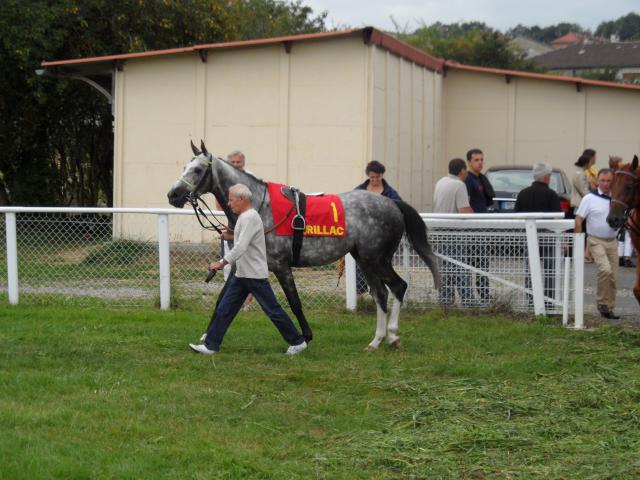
(587, 56)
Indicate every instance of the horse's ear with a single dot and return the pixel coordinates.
(194, 149)
(634, 163)
(203, 148)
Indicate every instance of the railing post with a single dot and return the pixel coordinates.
(578, 282)
(565, 291)
(165, 265)
(12, 257)
(534, 267)
(557, 267)
(350, 282)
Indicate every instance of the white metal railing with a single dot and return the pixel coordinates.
(521, 236)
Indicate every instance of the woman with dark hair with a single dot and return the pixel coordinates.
(581, 187)
(376, 182)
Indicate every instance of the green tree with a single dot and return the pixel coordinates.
(546, 34)
(56, 135)
(470, 43)
(625, 28)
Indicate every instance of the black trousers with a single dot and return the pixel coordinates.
(479, 258)
(453, 277)
(235, 294)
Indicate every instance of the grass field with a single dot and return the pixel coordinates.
(117, 394)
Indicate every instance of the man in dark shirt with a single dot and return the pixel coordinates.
(540, 198)
(480, 197)
(480, 190)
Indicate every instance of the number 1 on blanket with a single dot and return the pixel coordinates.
(335, 212)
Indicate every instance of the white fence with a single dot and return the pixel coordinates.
(505, 261)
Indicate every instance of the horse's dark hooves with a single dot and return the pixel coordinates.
(396, 345)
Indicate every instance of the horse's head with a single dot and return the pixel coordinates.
(194, 179)
(625, 193)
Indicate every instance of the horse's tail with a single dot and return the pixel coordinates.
(417, 234)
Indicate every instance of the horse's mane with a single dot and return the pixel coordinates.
(629, 167)
(250, 175)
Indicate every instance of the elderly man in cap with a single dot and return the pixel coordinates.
(538, 197)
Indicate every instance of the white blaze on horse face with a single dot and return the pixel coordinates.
(193, 173)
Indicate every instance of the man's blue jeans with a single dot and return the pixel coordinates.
(234, 296)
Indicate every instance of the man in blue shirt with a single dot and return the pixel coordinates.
(480, 197)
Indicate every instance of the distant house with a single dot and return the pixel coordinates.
(530, 47)
(568, 40)
(577, 59)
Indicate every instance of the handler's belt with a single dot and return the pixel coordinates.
(298, 223)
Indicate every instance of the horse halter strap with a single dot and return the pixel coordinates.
(194, 198)
(636, 179)
(629, 223)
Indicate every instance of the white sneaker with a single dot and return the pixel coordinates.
(202, 349)
(296, 349)
(203, 337)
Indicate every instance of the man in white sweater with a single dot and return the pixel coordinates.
(250, 257)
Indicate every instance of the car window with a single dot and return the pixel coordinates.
(513, 181)
(556, 182)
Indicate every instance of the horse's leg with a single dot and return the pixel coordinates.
(636, 287)
(635, 240)
(285, 278)
(380, 295)
(398, 288)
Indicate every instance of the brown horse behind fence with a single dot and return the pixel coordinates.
(625, 207)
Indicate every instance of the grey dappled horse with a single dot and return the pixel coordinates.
(374, 228)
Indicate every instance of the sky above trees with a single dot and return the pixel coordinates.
(499, 14)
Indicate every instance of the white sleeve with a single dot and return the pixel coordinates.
(462, 197)
(241, 243)
(583, 208)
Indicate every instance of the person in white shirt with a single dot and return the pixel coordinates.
(594, 208)
(238, 160)
(450, 195)
(250, 258)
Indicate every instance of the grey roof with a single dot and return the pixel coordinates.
(616, 55)
(530, 47)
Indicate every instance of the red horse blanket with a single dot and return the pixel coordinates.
(324, 217)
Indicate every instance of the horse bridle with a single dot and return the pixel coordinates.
(194, 199)
(629, 223)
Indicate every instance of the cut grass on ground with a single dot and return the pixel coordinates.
(117, 394)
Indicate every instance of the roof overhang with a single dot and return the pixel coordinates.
(100, 66)
(99, 70)
(509, 74)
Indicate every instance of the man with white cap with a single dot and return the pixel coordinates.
(538, 197)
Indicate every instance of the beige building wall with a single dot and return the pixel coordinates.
(525, 120)
(407, 125)
(300, 117)
(314, 116)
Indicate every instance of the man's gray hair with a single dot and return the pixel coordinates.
(236, 153)
(541, 170)
(240, 190)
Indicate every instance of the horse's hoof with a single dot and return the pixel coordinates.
(370, 348)
(396, 345)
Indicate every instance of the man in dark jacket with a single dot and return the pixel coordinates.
(540, 198)
(480, 197)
